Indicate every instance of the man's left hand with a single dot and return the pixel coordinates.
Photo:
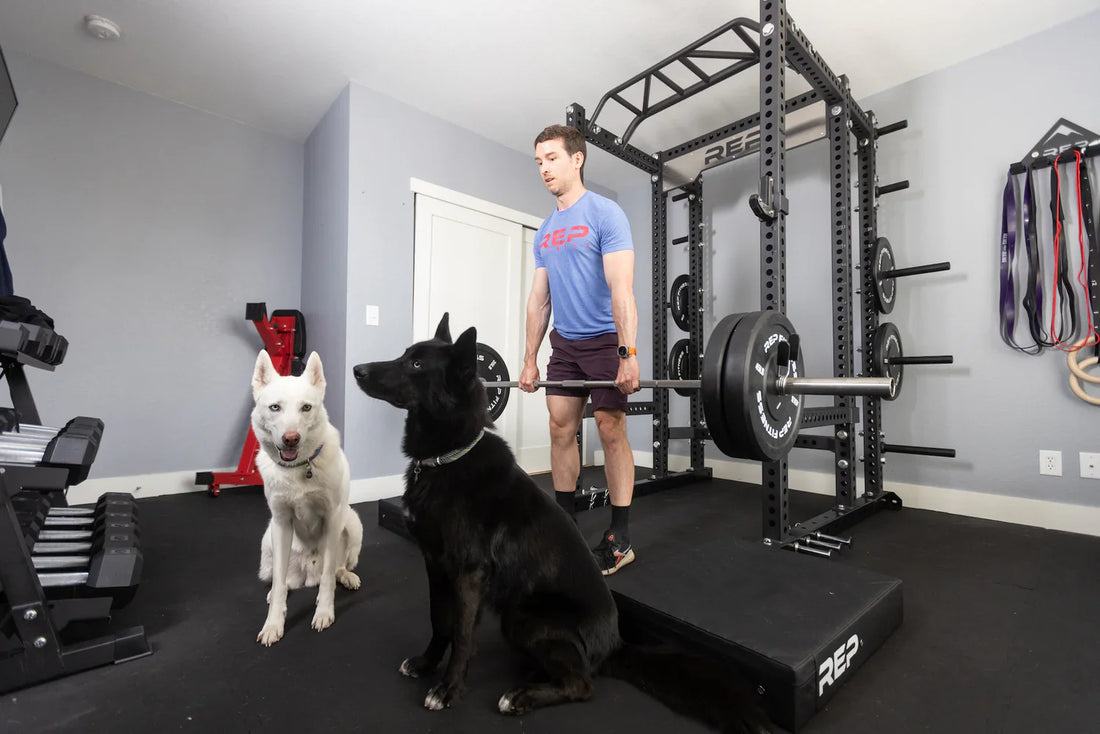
(628, 378)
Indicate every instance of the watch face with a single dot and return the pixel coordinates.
(624, 352)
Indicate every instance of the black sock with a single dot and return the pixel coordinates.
(620, 521)
(566, 502)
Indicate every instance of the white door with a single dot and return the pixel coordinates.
(472, 265)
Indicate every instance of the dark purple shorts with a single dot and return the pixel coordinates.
(586, 359)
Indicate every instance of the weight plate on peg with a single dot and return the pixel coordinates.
(679, 301)
(886, 289)
(491, 368)
(886, 345)
(712, 387)
(683, 364)
(761, 423)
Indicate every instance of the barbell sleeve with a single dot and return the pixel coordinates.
(873, 386)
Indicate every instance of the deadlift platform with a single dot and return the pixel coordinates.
(797, 627)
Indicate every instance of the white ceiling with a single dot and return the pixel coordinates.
(502, 68)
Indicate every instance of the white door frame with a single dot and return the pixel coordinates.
(533, 461)
(472, 202)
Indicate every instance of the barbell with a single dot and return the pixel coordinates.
(750, 383)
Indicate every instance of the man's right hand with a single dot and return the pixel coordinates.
(528, 378)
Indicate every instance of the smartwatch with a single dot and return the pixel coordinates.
(625, 352)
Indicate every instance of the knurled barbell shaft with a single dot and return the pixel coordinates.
(593, 384)
(873, 386)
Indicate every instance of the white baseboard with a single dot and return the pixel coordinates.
(1002, 508)
(139, 485)
(377, 488)
(1019, 510)
(156, 485)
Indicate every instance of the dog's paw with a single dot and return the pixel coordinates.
(505, 703)
(271, 633)
(515, 702)
(416, 667)
(347, 579)
(442, 696)
(323, 617)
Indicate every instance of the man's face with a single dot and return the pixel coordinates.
(559, 170)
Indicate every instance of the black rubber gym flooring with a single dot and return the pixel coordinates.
(1001, 632)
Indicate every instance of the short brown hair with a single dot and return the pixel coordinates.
(571, 138)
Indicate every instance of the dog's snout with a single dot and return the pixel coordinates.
(360, 371)
(291, 439)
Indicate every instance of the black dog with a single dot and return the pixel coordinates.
(491, 537)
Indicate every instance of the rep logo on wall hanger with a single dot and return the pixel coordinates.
(1063, 136)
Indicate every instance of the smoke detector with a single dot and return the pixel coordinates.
(102, 28)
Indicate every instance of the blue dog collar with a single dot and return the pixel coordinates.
(309, 461)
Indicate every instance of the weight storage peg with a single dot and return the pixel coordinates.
(887, 359)
(884, 274)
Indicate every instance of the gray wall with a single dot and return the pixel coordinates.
(997, 407)
(143, 227)
(325, 249)
(390, 143)
(966, 124)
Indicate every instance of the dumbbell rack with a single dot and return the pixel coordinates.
(57, 564)
(284, 337)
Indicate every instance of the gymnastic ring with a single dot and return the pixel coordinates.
(1078, 369)
(1076, 386)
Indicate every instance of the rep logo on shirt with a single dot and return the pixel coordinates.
(564, 237)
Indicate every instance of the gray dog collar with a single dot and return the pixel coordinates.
(447, 458)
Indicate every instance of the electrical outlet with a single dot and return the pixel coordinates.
(1090, 465)
(1050, 463)
(372, 315)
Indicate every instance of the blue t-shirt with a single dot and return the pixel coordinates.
(571, 244)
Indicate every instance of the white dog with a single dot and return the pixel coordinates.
(314, 535)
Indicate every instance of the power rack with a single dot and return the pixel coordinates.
(772, 45)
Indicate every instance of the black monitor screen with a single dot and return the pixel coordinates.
(7, 96)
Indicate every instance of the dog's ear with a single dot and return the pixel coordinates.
(263, 374)
(464, 354)
(443, 331)
(313, 372)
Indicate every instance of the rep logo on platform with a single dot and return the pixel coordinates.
(837, 664)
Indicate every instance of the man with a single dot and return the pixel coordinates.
(584, 273)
